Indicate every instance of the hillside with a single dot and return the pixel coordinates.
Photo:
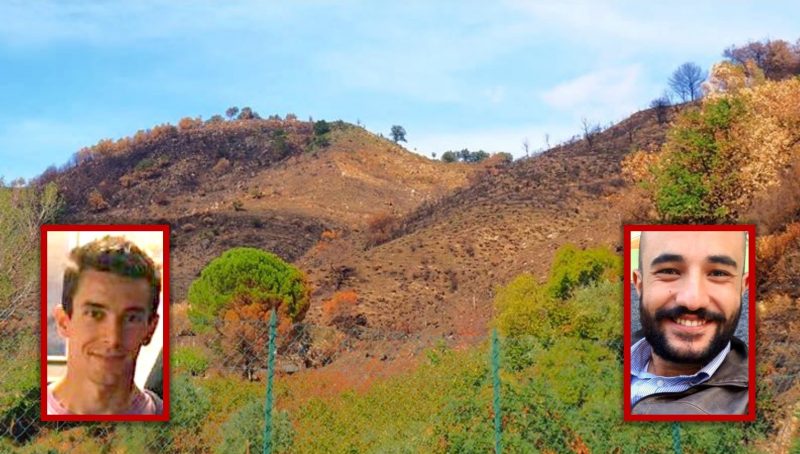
(439, 272)
(262, 183)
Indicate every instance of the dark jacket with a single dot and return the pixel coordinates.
(724, 393)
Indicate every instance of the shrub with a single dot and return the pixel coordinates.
(96, 201)
(222, 166)
(381, 227)
(574, 268)
(190, 359)
(243, 432)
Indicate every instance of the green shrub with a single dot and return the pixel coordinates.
(19, 387)
(189, 407)
(696, 182)
(244, 431)
(190, 359)
(573, 268)
(250, 273)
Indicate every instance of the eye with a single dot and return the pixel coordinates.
(94, 314)
(134, 317)
(668, 271)
(720, 273)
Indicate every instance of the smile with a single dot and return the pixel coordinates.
(691, 323)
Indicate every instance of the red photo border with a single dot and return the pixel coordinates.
(751, 349)
(164, 229)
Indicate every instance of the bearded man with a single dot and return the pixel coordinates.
(690, 287)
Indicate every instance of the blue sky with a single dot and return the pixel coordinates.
(455, 74)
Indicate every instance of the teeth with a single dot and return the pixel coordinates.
(685, 322)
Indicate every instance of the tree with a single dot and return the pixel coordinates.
(398, 134)
(248, 114)
(590, 131)
(321, 127)
(231, 112)
(778, 59)
(449, 156)
(252, 275)
(661, 107)
(686, 81)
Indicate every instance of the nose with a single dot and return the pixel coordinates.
(692, 292)
(112, 332)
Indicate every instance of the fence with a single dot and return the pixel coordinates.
(251, 386)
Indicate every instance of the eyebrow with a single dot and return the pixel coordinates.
(677, 258)
(104, 307)
(722, 260)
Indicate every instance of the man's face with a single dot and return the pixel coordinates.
(690, 287)
(110, 322)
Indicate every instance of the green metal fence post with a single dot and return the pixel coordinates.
(496, 385)
(273, 323)
(676, 438)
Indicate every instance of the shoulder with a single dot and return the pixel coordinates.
(148, 403)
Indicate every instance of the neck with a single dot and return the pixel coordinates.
(663, 368)
(83, 397)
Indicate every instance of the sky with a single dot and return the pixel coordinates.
(455, 74)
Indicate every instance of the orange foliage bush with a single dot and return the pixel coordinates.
(341, 307)
(245, 333)
(189, 123)
(770, 249)
(96, 201)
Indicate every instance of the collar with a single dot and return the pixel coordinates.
(640, 359)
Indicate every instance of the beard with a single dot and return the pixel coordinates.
(658, 341)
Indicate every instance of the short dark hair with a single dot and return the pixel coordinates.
(744, 249)
(112, 254)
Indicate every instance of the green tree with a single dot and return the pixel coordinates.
(695, 181)
(449, 156)
(231, 112)
(398, 133)
(247, 274)
(573, 268)
(321, 127)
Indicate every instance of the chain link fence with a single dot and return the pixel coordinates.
(354, 388)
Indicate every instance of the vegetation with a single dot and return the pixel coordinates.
(190, 359)
(247, 275)
(398, 133)
(686, 81)
(721, 156)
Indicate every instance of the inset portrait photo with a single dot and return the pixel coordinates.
(104, 322)
(689, 319)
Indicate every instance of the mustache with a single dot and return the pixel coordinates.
(677, 311)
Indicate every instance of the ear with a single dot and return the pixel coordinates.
(62, 321)
(745, 282)
(151, 329)
(637, 282)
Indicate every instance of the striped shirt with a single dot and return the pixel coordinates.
(644, 383)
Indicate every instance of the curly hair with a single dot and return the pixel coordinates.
(113, 254)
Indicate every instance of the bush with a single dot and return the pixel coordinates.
(96, 201)
(252, 274)
(573, 268)
(243, 432)
(190, 359)
(19, 388)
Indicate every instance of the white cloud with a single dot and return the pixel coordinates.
(603, 94)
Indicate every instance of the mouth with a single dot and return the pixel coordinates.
(108, 358)
(688, 324)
